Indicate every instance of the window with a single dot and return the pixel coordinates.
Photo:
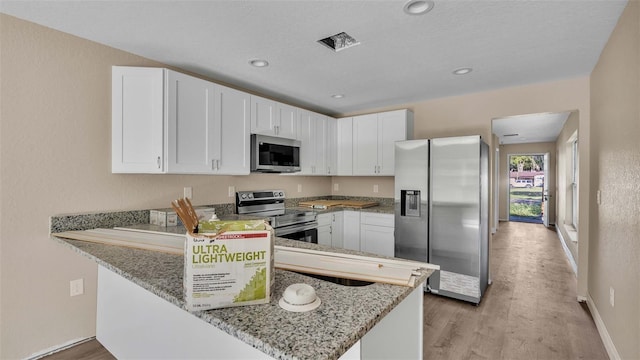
(574, 182)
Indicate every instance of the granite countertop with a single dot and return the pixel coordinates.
(346, 313)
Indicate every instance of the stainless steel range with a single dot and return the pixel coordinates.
(292, 224)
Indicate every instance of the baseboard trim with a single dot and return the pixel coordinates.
(602, 330)
(58, 348)
(567, 253)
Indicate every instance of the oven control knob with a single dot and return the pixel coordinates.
(280, 194)
(244, 196)
(250, 196)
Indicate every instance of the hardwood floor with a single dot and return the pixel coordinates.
(529, 312)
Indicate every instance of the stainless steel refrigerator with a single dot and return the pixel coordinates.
(442, 211)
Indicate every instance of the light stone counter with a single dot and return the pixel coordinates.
(345, 316)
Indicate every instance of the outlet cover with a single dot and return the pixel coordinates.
(299, 187)
(336, 187)
(375, 188)
(76, 287)
(188, 192)
(232, 191)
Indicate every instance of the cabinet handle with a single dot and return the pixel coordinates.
(158, 162)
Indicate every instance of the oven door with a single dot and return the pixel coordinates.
(307, 232)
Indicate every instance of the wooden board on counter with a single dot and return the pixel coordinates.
(325, 204)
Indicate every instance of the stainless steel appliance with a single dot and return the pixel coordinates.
(274, 155)
(292, 224)
(442, 208)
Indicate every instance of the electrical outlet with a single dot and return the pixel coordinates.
(188, 192)
(76, 287)
(375, 188)
(232, 191)
(598, 197)
(336, 187)
(612, 297)
(299, 187)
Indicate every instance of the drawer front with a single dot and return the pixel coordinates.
(387, 220)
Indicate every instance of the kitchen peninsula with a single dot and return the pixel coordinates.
(141, 313)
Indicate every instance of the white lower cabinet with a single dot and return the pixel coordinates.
(330, 227)
(351, 231)
(376, 233)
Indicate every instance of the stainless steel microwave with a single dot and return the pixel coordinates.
(274, 155)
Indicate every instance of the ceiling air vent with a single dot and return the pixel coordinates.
(339, 41)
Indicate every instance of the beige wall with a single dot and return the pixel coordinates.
(614, 251)
(516, 149)
(55, 154)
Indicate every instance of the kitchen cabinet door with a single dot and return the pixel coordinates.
(351, 233)
(374, 136)
(337, 229)
(344, 146)
(377, 233)
(332, 146)
(193, 130)
(377, 239)
(234, 150)
(286, 121)
(324, 229)
(137, 131)
(365, 144)
(312, 132)
(392, 127)
(262, 116)
(271, 118)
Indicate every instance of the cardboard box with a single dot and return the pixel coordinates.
(232, 268)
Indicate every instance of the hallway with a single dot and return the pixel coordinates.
(529, 312)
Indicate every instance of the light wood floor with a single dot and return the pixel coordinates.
(529, 312)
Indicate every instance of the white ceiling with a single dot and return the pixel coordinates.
(531, 128)
(402, 58)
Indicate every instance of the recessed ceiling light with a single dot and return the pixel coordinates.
(337, 96)
(462, 71)
(259, 63)
(418, 7)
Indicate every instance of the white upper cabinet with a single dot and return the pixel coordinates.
(332, 147)
(312, 133)
(235, 112)
(137, 120)
(272, 118)
(168, 122)
(374, 136)
(193, 129)
(344, 146)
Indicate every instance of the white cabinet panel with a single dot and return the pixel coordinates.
(235, 147)
(312, 133)
(377, 233)
(193, 129)
(271, 118)
(332, 147)
(344, 146)
(374, 136)
(137, 120)
(337, 229)
(351, 233)
(167, 122)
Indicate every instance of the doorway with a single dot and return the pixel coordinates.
(527, 188)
